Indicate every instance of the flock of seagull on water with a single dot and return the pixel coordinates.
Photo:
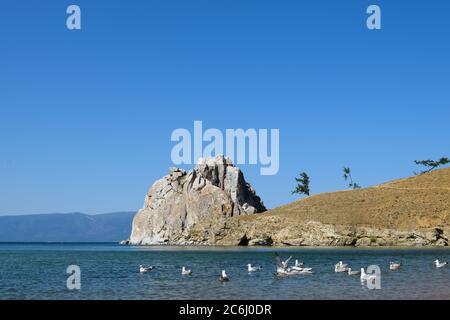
(284, 270)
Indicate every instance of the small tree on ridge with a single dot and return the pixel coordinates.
(348, 176)
(430, 165)
(302, 184)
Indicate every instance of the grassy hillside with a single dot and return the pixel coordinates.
(418, 202)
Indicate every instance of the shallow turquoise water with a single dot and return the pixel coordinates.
(110, 271)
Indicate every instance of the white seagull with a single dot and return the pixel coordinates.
(299, 264)
(341, 267)
(440, 264)
(367, 277)
(224, 277)
(303, 270)
(143, 269)
(353, 273)
(282, 266)
(393, 266)
(186, 272)
(286, 263)
(300, 267)
(284, 270)
(253, 269)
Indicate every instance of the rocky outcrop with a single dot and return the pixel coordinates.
(199, 200)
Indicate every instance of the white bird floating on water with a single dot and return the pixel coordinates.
(440, 264)
(299, 264)
(253, 269)
(297, 270)
(224, 277)
(393, 266)
(367, 277)
(341, 267)
(286, 263)
(302, 269)
(186, 272)
(143, 269)
(353, 273)
(283, 268)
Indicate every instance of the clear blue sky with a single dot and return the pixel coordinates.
(86, 116)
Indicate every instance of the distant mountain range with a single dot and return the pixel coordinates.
(67, 227)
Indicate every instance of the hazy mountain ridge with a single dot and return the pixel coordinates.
(68, 227)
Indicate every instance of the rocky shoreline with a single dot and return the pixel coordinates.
(312, 234)
(273, 231)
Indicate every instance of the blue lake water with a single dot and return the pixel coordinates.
(110, 272)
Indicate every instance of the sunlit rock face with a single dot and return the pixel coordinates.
(192, 207)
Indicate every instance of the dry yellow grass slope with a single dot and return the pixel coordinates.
(407, 204)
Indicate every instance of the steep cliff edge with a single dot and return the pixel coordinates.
(214, 191)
